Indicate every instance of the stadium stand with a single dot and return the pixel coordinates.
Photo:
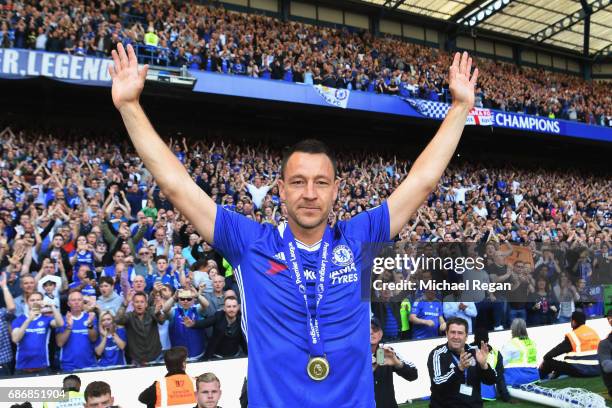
(83, 222)
(213, 39)
(87, 215)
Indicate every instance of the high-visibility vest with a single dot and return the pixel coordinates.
(74, 400)
(229, 270)
(151, 39)
(584, 341)
(175, 391)
(405, 308)
(488, 392)
(528, 356)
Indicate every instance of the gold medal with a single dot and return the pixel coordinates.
(318, 368)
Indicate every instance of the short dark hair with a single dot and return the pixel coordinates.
(140, 293)
(174, 358)
(74, 290)
(312, 146)
(106, 279)
(71, 383)
(579, 317)
(158, 257)
(457, 320)
(97, 389)
(230, 298)
(36, 293)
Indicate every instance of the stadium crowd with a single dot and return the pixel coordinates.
(214, 39)
(93, 252)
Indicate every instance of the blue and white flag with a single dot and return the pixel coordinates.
(438, 110)
(333, 96)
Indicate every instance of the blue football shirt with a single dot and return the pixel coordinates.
(33, 349)
(83, 258)
(112, 355)
(193, 339)
(427, 310)
(274, 315)
(78, 352)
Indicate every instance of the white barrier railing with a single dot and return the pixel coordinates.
(127, 384)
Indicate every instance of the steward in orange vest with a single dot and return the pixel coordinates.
(176, 388)
(580, 349)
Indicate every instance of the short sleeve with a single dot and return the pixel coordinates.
(17, 322)
(62, 328)
(372, 225)
(121, 333)
(416, 308)
(233, 234)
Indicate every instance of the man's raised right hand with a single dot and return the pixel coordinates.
(128, 80)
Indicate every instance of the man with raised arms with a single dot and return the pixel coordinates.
(306, 336)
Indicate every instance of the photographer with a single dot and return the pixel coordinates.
(384, 391)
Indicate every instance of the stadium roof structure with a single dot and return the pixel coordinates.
(583, 26)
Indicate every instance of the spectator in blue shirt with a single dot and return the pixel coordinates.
(111, 343)
(77, 336)
(427, 317)
(85, 281)
(180, 308)
(31, 335)
(81, 255)
(165, 273)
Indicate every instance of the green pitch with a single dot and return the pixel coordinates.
(592, 384)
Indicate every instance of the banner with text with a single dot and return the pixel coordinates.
(16, 63)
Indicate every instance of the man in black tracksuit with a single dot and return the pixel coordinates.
(604, 354)
(457, 369)
(384, 391)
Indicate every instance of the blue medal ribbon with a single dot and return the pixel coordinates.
(315, 344)
(465, 371)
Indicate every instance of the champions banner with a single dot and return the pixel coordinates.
(16, 63)
(20, 64)
(333, 96)
(438, 110)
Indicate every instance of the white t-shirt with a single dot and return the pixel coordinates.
(518, 198)
(202, 277)
(460, 194)
(482, 212)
